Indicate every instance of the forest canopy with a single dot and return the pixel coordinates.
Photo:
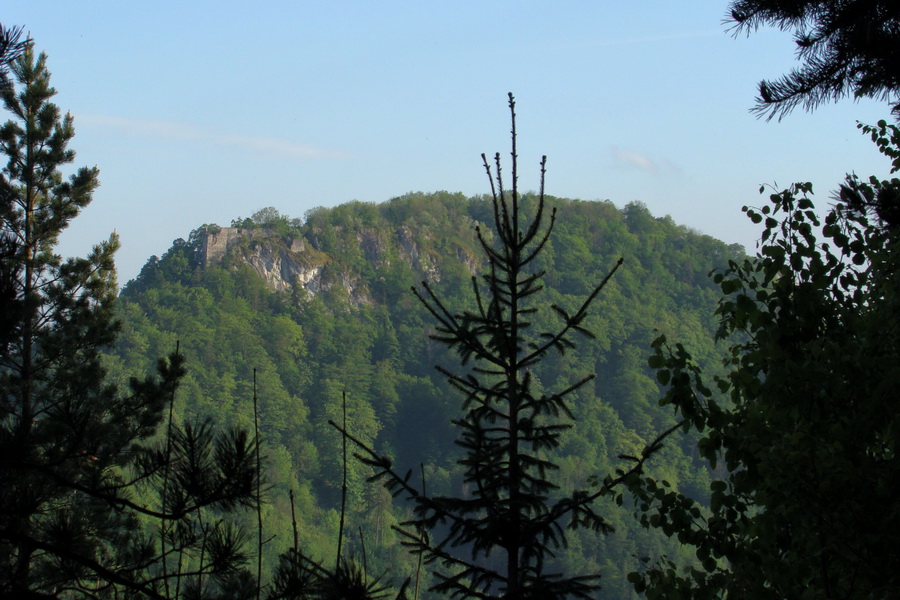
(350, 324)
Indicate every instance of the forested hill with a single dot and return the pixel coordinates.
(322, 305)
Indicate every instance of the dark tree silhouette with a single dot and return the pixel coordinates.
(513, 514)
(78, 469)
(11, 47)
(804, 429)
(845, 48)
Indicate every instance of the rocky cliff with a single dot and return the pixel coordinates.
(283, 262)
(303, 259)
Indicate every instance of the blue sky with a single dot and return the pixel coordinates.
(202, 112)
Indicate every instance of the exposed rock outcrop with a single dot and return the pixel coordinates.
(287, 263)
(282, 263)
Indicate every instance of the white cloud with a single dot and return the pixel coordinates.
(644, 163)
(183, 131)
(634, 159)
(278, 146)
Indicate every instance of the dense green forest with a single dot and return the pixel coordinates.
(132, 423)
(357, 328)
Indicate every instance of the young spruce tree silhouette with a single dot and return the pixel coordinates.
(513, 514)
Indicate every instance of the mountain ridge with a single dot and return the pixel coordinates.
(286, 251)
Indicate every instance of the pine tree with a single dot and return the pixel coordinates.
(514, 514)
(846, 47)
(11, 47)
(79, 469)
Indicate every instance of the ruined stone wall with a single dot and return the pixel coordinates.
(217, 244)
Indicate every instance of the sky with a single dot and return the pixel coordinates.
(203, 112)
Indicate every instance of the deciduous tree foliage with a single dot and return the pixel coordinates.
(79, 475)
(845, 48)
(806, 434)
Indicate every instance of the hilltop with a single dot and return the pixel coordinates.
(321, 305)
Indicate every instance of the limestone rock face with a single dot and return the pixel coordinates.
(281, 269)
(409, 250)
(281, 263)
(293, 263)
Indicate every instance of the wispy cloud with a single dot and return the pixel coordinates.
(635, 160)
(649, 39)
(182, 131)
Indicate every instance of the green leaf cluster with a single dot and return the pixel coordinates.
(802, 428)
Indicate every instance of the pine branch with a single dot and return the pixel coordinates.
(111, 575)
